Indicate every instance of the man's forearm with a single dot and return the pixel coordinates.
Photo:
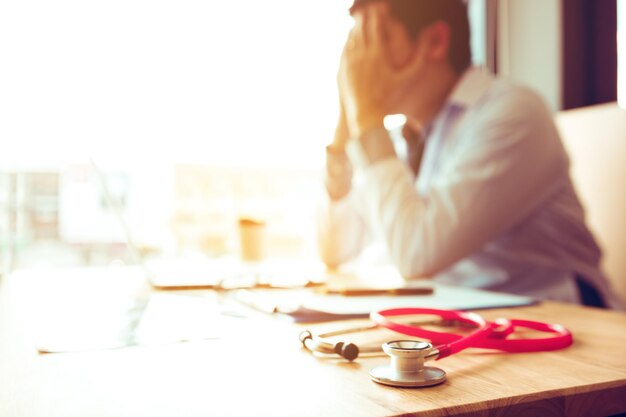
(341, 231)
(338, 175)
(341, 228)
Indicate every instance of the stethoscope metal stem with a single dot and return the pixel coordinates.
(317, 343)
(351, 330)
(349, 351)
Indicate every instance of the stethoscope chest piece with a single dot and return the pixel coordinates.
(407, 365)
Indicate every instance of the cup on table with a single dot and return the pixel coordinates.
(252, 239)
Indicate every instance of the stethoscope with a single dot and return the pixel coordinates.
(407, 367)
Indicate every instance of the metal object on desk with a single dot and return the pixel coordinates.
(408, 356)
(349, 351)
(407, 365)
(321, 344)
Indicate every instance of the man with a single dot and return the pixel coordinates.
(484, 198)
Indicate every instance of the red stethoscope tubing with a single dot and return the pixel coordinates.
(487, 335)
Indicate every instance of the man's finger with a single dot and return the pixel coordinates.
(375, 32)
(365, 27)
(358, 31)
(347, 44)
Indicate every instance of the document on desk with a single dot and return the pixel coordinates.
(309, 306)
(161, 319)
(80, 309)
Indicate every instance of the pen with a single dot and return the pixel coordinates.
(356, 292)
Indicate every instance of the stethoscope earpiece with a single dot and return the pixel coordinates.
(348, 351)
(407, 365)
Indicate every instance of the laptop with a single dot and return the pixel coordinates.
(173, 273)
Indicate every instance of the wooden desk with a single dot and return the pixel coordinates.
(264, 372)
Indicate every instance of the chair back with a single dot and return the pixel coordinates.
(595, 138)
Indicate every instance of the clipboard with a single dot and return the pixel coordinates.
(302, 306)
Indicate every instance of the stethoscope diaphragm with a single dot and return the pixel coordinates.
(407, 365)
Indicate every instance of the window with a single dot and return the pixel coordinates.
(236, 83)
(242, 83)
(188, 101)
(621, 53)
(483, 22)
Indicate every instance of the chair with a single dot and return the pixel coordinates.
(595, 138)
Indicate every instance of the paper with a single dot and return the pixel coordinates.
(171, 318)
(303, 305)
(80, 309)
(443, 297)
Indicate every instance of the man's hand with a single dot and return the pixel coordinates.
(342, 134)
(368, 82)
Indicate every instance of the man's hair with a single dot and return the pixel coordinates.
(415, 15)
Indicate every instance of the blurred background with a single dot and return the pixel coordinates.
(197, 113)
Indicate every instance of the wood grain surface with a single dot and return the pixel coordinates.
(259, 369)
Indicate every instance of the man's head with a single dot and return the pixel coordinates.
(446, 19)
(404, 56)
